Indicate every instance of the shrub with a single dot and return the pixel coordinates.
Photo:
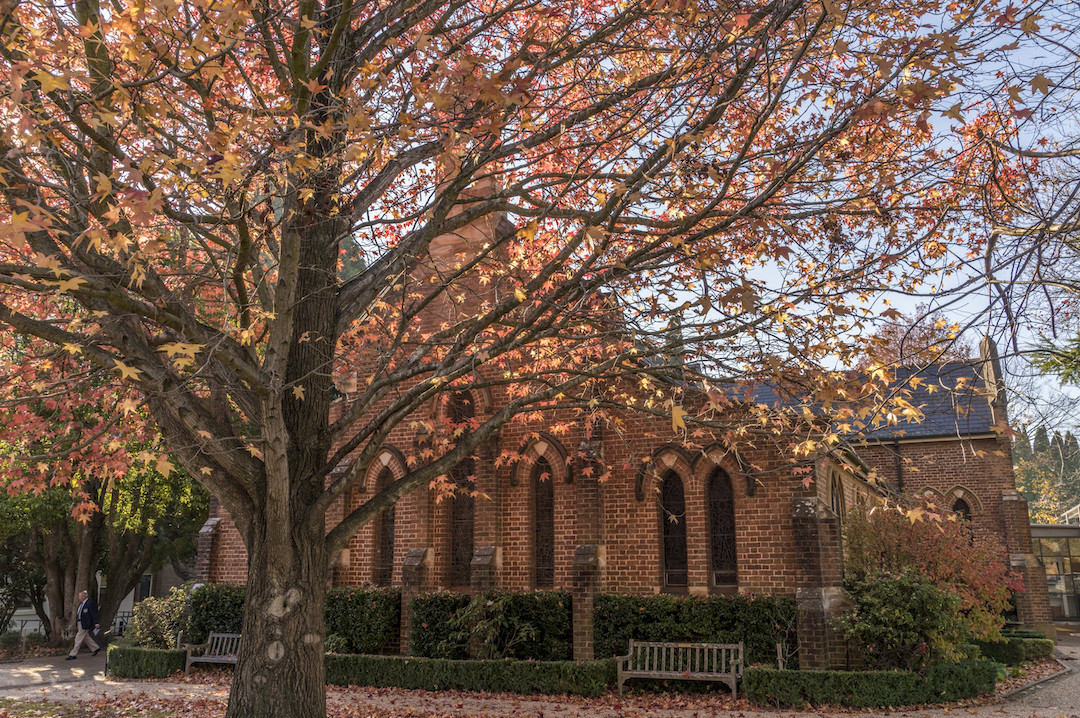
(139, 662)
(430, 625)
(942, 682)
(1023, 633)
(217, 608)
(759, 622)
(9, 639)
(971, 565)
(902, 621)
(522, 625)
(1014, 651)
(368, 620)
(156, 621)
(335, 643)
(589, 678)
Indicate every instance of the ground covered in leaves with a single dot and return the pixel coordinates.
(209, 694)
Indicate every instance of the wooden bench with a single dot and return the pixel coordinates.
(219, 648)
(683, 661)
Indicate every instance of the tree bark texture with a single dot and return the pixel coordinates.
(281, 671)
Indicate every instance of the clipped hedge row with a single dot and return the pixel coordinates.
(1014, 651)
(589, 678)
(217, 608)
(430, 625)
(364, 620)
(367, 619)
(530, 625)
(138, 662)
(758, 621)
(943, 682)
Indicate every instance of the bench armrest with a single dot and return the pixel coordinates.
(189, 648)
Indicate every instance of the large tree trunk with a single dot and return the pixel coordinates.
(281, 670)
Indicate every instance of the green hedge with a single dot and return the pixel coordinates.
(368, 620)
(528, 626)
(139, 662)
(215, 608)
(943, 682)
(1014, 651)
(758, 621)
(588, 678)
(431, 627)
(1023, 633)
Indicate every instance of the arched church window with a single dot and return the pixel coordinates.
(720, 504)
(962, 509)
(836, 495)
(543, 524)
(673, 515)
(462, 506)
(384, 535)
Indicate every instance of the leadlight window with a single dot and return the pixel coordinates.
(836, 495)
(721, 517)
(543, 524)
(384, 541)
(462, 506)
(673, 515)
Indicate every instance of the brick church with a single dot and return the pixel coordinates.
(743, 522)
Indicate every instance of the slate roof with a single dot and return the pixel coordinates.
(958, 405)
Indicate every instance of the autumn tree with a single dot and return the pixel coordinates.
(919, 339)
(181, 178)
(1047, 472)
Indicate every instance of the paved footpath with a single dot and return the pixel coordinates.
(84, 678)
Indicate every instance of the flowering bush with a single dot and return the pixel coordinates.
(952, 556)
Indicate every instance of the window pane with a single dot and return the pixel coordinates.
(544, 524)
(673, 512)
(721, 508)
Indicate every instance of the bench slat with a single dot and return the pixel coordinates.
(686, 661)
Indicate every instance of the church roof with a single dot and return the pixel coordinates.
(952, 397)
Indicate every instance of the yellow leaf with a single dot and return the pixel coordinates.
(528, 232)
(954, 112)
(72, 349)
(678, 418)
(1040, 83)
(203, 433)
(129, 405)
(127, 372)
(174, 348)
(50, 82)
(520, 294)
(164, 466)
(206, 471)
(66, 285)
(298, 393)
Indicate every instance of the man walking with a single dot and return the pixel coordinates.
(86, 620)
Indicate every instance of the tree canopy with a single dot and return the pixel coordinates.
(537, 188)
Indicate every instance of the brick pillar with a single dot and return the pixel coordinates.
(484, 569)
(415, 573)
(588, 565)
(819, 592)
(204, 549)
(1033, 603)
